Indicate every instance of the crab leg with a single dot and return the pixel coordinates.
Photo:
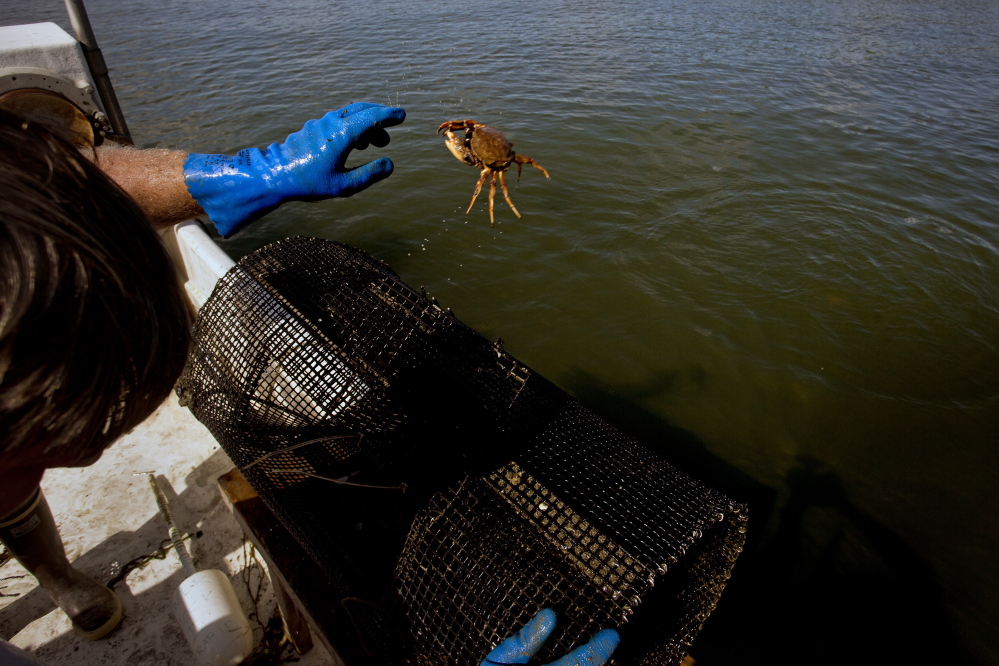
(492, 195)
(524, 159)
(506, 194)
(478, 188)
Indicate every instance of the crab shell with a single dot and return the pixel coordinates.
(477, 145)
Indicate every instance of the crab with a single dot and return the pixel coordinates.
(485, 148)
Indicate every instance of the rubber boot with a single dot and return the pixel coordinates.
(32, 537)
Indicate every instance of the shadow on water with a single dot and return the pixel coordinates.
(820, 581)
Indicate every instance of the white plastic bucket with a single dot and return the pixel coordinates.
(212, 620)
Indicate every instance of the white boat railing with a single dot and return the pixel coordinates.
(199, 261)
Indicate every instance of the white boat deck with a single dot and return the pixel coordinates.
(108, 517)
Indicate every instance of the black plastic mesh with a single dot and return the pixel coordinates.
(447, 490)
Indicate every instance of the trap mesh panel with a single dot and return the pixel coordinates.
(447, 491)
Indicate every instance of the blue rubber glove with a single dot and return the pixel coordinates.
(522, 646)
(235, 190)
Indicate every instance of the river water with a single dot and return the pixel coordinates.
(768, 248)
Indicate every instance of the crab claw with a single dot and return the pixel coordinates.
(452, 125)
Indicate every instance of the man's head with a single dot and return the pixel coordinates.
(93, 330)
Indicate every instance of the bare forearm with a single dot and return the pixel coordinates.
(154, 177)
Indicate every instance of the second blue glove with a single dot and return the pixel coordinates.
(523, 645)
(235, 190)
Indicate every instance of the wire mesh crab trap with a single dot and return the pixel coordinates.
(446, 490)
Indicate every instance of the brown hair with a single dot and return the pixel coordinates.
(93, 329)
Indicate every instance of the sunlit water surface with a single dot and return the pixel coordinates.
(768, 248)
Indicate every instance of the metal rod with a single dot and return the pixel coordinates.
(178, 541)
(98, 68)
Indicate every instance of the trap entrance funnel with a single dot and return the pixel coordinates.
(446, 490)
